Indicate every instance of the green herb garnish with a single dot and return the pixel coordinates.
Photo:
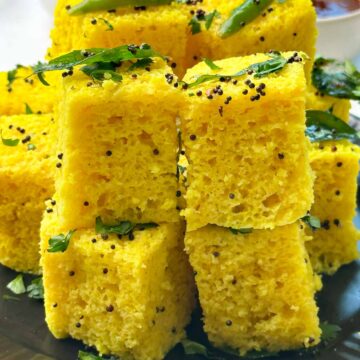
(108, 24)
(194, 348)
(336, 78)
(41, 77)
(312, 221)
(195, 25)
(242, 15)
(122, 228)
(31, 147)
(36, 289)
(100, 64)
(181, 168)
(28, 110)
(9, 142)
(276, 63)
(60, 242)
(82, 355)
(94, 5)
(209, 18)
(17, 285)
(102, 71)
(10, 297)
(329, 331)
(211, 64)
(11, 75)
(241, 231)
(141, 64)
(195, 22)
(323, 126)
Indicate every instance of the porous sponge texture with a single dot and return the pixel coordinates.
(282, 28)
(26, 180)
(315, 100)
(336, 166)
(232, 151)
(128, 298)
(119, 145)
(27, 90)
(164, 27)
(256, 290)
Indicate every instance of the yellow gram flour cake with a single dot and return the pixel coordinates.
(315, 100)
(279, 27)
(22, 90)
(336, 166)
(164, 27)
(247, 152)
(118, 147)
(26, 179)
(256, 290)
(129, 298)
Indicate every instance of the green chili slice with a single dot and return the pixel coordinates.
(94, 5)
(242, 15)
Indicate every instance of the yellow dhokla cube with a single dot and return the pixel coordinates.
(27, 90)
(315, 100)
(248, 160)
(280, 27)
(128, 298)
(256, 290)
(26, 180)
(117, 149)
(336, 166)
(164, 27)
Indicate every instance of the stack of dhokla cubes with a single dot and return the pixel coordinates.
(249, 182)
(130, 294)
(251, 177)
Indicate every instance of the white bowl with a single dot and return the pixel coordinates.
(339, 36)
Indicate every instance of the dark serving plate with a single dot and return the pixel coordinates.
(24, 335)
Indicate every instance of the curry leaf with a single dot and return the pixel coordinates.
(336, 78)
(100, 63)
(323, 125)
(140, 64)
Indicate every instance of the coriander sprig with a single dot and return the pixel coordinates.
(100, 64)
(120, 228)
(276, 63)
